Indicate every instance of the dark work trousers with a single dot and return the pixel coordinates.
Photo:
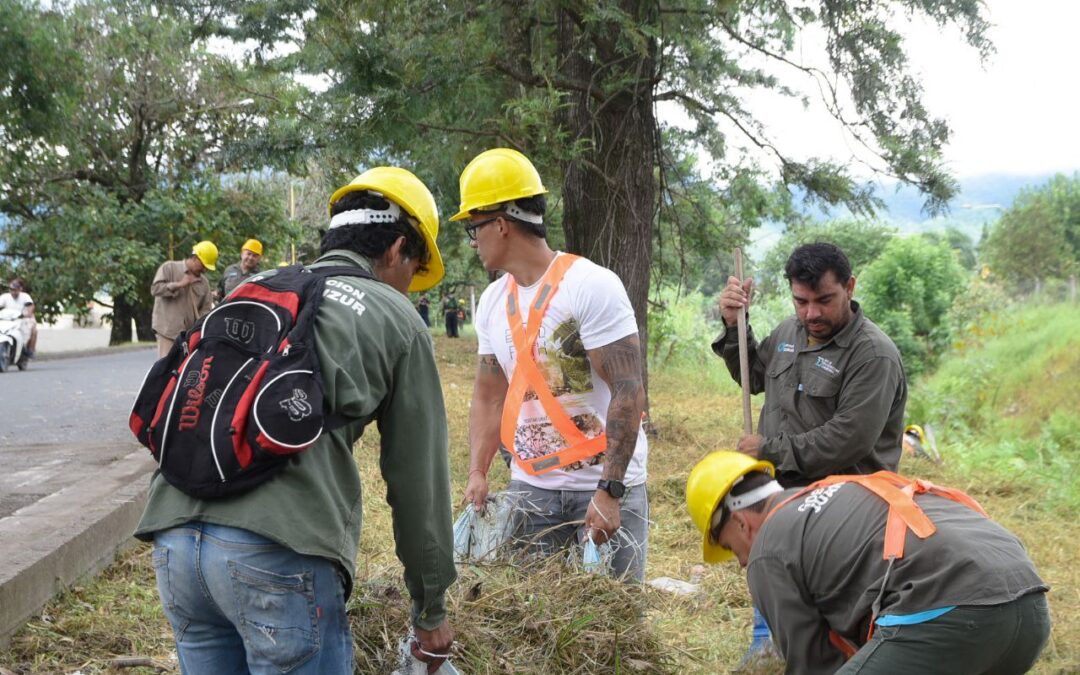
(451, 324)
(992, 640)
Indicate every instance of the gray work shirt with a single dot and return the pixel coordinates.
(232, 277)
(816, 565)
(830, 408)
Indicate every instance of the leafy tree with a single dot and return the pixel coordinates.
(575, 84)
(112, 246)
(699, 224)
(104, 173)
(1039, 236)
(960, 243)
(861, 240)
(908, 291)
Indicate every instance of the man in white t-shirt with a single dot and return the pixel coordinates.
(570, 411)
(16, 298)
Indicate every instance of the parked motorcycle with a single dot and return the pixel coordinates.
(14, 336)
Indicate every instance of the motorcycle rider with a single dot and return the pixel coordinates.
(16, 298)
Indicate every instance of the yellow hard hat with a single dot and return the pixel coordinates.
(253, 245)
(917, 430)
(408, 192)
(497, 176)
(207, 254)
(709, 482)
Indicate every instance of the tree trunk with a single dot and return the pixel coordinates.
(121, 321)
(609, 189)
(143, 318)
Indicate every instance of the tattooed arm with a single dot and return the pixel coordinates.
(485, 415)
(619, 365)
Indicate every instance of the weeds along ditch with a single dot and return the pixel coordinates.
(549, 618)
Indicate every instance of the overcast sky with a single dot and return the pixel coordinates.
(1017, 113)
(1020, 113)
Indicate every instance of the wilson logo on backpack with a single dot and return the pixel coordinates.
(297, 406)
(240, 393)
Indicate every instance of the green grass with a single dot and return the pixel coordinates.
(548, 618)
(1008, 400)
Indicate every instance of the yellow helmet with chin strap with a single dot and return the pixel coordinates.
(207, 254)
(409, 192)
(494, 177)
(710, 481)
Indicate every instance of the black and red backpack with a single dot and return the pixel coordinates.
(240, 393)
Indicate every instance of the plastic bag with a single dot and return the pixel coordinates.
(478, 536)
(596, 559)
(413, 666)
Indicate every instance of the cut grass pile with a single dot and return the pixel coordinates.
(545, 617)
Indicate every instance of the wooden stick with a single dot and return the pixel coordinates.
(744, 359)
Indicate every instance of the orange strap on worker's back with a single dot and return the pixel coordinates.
(527, 376)
(904, 514)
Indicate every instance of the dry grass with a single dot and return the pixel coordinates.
(545, 618)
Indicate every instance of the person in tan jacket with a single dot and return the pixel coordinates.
(181, 294)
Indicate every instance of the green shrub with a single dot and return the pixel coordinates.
(908, 291)
(682, 327)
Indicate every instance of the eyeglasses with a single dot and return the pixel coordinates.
(471, 228)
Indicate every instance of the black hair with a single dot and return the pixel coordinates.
(750, 481)
(535, 204)
(809, 263)
(373, 239)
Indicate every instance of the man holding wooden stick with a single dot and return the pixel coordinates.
(834, 384)
(833, 381)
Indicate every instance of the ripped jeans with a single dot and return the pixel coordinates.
(241, 603)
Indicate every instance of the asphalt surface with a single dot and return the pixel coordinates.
(61, 420)
(84, 399)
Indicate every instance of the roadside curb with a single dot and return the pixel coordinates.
(68, 535)
(95, 351)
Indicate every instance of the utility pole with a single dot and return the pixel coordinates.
(292, 217)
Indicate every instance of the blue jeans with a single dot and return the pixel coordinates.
(241, 603)
(546, 523)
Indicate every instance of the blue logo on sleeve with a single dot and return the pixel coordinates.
(785, 347)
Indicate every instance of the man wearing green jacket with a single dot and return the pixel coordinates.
(834, 384)
(258, 582)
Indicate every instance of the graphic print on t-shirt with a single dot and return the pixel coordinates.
(562, 359)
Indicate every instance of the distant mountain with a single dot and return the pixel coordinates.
(979, 196)
(981, 201)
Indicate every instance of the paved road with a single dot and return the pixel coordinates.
(61, 420)
(83, 400)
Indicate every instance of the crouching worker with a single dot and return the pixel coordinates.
(257, 582)
(853, 574)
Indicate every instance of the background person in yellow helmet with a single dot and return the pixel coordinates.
(181, 294)
(237, 273)
(259, 582)
(964, 599)
(580, 453)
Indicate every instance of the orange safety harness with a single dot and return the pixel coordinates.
(904, 514)
(527, 376)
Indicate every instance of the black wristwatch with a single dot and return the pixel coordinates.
(615, 488)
